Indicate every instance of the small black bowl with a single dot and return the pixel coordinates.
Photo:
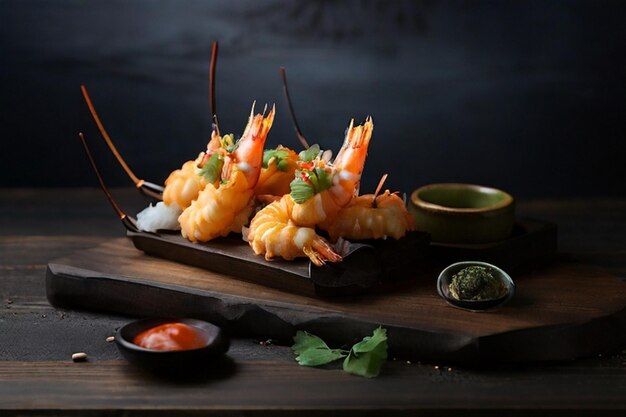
(179, 362)
(445, 277)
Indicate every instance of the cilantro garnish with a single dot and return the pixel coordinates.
(313, 351)
(365, 358)
(310, 154)
(228, 143)
(368, 356)
(281, 158)
(301, 190)
(309, 182)
(322, 180)
(212, 168)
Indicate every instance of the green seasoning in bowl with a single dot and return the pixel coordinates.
(475, 286)
(476, 283)
(463, 213)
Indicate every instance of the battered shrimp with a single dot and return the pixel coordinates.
(273, 233)
(279, 167)
(225, 206)
(286, 228)
(183, 185)
(344, 173)
(372, 217)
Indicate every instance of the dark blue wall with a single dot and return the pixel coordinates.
(528, 96)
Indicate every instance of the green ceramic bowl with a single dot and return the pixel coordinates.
(463, 213)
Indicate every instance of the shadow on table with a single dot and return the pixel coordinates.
(221, 368)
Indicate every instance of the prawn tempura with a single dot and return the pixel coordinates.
(279, 168)
(372, 217)
(227, 201)
(183, 185)
(274, 235)
(286, 228)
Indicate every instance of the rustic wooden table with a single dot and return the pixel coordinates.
(38, 377)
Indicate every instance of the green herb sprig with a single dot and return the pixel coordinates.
(228, 143)
(365, 358)
(281, 157)
(212, 168)
(313, 351)
(310, 154)
(309, 182)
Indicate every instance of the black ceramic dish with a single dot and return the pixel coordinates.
(173, 362)
(364, 265)
(445, 278)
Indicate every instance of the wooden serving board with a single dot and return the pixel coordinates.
(560, 312)
(365, 264)
(363, 267)
(532, 242)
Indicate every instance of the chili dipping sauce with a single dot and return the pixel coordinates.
(171, 337)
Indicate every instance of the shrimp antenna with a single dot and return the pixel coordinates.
(380, 187)
(216, 126)
(128, 222)
(146, 187)
(212, 70)
(301, 138)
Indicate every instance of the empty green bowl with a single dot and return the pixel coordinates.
(463, 213)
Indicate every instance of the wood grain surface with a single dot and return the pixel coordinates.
(561, 311)
(282, 387)
(38, 378)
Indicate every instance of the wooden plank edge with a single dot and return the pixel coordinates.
(239, 318)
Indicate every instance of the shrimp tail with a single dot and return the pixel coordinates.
(353, 152)
(249, 153)
(319, 252)
(350, 161)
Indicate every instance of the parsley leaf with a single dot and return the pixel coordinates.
(281, 158)
(324, 180)
(313, 351)
(367, 357)
(301, 190)
(212, 168)
(309, 182)
(310, 154)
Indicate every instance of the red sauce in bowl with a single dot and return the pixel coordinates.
(170, 337)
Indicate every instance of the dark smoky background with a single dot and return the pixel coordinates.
(528, 96)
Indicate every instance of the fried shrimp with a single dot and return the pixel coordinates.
(183, 185)
(286, 228)
(279, 168)
(372, 217)
(273, 234)
(321, 189)
(227, 200)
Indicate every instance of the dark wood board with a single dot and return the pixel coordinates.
(532, 242)
(560, 312)
(364, 266)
